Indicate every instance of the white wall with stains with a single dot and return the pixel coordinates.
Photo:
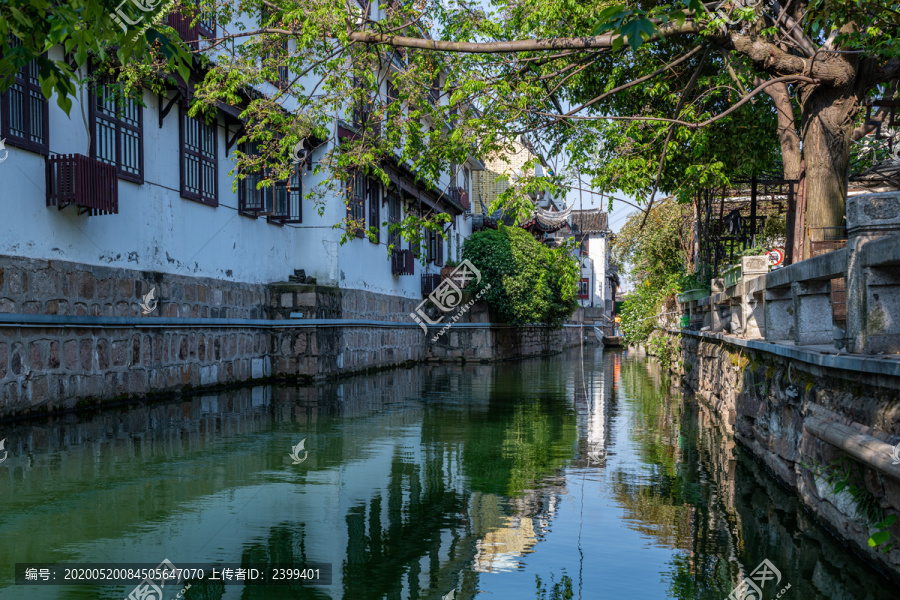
(157, 230)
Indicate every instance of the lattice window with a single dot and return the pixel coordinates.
(394, 237)
(117, 133)
(207, 22)
(356, 201)
(25, 113)
(199, 167)
(280, 201)
(374, 189)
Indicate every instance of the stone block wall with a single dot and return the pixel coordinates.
(323, 302)
(764, 400)
(500, 343)
(321, 352)
(86, 360)
(60, 368)
(54, 287)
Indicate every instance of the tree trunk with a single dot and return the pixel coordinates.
(827, 120)
(787, 129)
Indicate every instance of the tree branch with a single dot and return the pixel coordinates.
(787, 129)
(678, 107)
(624, 86)
(866, 128)
(688, 124)
(827, 70)
(601, 42)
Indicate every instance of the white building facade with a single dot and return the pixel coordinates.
(165, 201)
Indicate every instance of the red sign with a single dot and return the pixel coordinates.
(776, 256)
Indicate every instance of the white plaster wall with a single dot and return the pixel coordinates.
(157, 230)
(593, 268)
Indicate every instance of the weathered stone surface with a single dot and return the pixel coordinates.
(92, 362)
(768, 422)
(53, 360)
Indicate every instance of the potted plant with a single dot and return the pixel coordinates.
(732, 275)
(694, 287)
(448, 268)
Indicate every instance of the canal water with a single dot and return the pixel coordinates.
(584, 475)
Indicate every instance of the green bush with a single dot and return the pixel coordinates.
(529, 282)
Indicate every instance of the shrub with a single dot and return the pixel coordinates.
(529, 282)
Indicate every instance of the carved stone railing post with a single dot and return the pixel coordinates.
(873, 273)
(750, 300)
(717, 312)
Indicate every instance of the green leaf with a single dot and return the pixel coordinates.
(637, 31)
(64, 102)
(610, 15)
(47, 84)
(887, 522)
(879, 538)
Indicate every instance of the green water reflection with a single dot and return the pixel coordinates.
(419, 483)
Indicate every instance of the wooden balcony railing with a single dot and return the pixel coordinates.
(91, 185)
(459, 195)
(189, 34)
(402, 262)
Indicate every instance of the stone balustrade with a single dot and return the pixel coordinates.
(793, 305)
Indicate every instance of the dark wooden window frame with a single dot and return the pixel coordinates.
(27, 80)
(374, 199)
(390, 91)
(394, 218)
(203, 157)
(249, 180)
(439, 249)
(119, 125)
(356, 200)
(291, 192)
(206, 25)
(433, 249)
(281, 77)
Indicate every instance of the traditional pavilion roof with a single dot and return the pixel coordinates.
(588, 221)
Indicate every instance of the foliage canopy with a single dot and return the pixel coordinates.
(529, 282)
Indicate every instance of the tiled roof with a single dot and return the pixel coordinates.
(588, 221)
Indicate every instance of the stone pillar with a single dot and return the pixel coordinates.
(873, 323)
(751, 305)
(754, 309)
(882, 298)
(779, 314)
(736, 312)
(716, 319)
(812, 312)
(721, 316)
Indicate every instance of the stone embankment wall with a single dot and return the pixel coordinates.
(53, 287)
(389, 338)
(57, 366)
(74, 335)
(770, 402)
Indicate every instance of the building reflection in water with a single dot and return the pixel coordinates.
(418, 482)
